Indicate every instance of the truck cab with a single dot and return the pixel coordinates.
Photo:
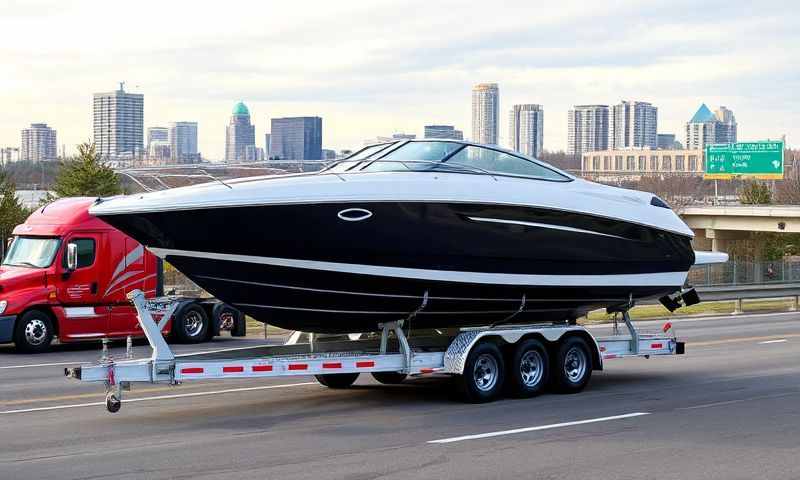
(67, 274)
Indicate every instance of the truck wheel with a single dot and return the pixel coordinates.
(337, 380)
(228, 318)
(191, 324)
(573, 366)
(484, 372)
(33, 332)
(389, 378)
(530, 369)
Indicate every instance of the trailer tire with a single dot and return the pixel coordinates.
(191, 324)
(573, 366)
(33, 332)
(484, 373)
(337, 380)
(389, 378)
(529, 371)
(226, 318)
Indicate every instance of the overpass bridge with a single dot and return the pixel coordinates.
(716, 226)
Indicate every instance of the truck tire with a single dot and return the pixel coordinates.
(190, 324)
(389, 378)
(226, 318)
(33, 332)
(572, 366)
(484, 374)
(337, 380)
(529, 371)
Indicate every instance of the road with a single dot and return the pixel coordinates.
(728, 409)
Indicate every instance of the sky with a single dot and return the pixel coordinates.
(376, 67)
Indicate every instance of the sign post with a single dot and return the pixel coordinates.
(762, 160)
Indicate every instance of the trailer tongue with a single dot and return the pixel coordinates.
(521, 359)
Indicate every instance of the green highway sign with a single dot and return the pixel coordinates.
(745, 159)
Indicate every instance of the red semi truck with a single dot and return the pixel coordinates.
(67, 274)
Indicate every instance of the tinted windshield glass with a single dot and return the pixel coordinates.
(359, 156)
(502, 163)
(33, 252)
(413, 156)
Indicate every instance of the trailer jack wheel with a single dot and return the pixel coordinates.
(113, 402)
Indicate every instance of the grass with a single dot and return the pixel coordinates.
(644, 312)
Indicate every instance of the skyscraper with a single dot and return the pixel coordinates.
(38, 143)
(160, 134)
(118, 123)
(587, 129)
(633, 124)
(526, 129)
(183, 142)
(296, 138)
(485, 113)
(443, 131)
(267, 143)
(706, 128)
(239, 134)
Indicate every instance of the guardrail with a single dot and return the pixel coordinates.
(738, 293)
(746, 273)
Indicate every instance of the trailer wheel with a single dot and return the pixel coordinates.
(337, 380)
(530, 369)
(573, 366)
(33, 332)
(191, 324)
(389, 378)
(484, 373)
(113, 404)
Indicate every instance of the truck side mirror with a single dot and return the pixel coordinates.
(72, 256)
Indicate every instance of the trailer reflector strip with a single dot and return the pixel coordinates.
(233, 369)
(262, 368)
(365, 364)
(332, 365)
(657, 345)
(192, 370)
(298, 366)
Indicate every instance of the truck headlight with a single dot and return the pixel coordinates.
(3, 305)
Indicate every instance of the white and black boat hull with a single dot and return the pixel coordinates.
(348, 266)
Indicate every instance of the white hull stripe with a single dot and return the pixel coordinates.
(544, 225)
(615, 280)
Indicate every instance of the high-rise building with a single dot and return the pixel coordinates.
(485, 113)
(443, 131)
(707, 128)
(526, 129)
(38, 143)
(253, 154)
(587, 129)
(160, 134)
(183, 142)
(666, 141)
(267, 144)
(296, 138)
(633, 124)
(159, 151)
(118, 123)
(239, 134)
(328, 154)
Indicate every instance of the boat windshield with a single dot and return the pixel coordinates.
(359, 156)
(33, 252)
(458, 157)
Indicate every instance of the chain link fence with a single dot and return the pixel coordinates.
(745, 273)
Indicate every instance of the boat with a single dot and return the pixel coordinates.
(437, 233)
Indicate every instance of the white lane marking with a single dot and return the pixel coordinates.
(158, 397)
(782, 340)
(540, 427)
(55, 364)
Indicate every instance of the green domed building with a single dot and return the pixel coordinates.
(240, 135)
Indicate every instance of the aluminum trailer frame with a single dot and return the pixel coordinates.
(447, 355)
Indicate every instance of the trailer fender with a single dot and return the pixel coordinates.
(456, 354)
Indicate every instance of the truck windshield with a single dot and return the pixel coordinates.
(34, 252)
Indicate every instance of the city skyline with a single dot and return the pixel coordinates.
(537, 53)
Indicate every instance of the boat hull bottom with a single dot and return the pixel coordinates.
(335, 302)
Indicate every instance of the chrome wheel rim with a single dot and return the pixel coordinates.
(485, 372)
(575, 363)
(193, 324)
(35, 332)
(531, 368)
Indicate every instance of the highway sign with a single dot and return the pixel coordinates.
(745, 159)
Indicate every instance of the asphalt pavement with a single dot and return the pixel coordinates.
(728, 409)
